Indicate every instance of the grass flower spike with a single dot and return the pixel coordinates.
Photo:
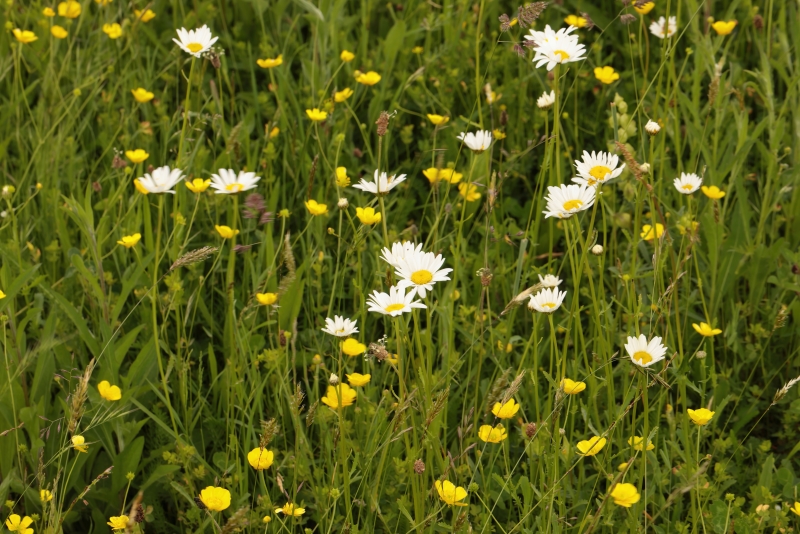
(394, 303)
(419, 271)
(227, 182)
(597, 168)
(478, 141)
(625, 494)
(565, 201)
(591, 446)
(644, 353)
(507, 410)
(162, 180)
(547, 300)
(688, 183)
(215, 499)
(340, 392)
(492, 434)
(130, 241)
(109, 392)
(193, 42)
(451, 494)
(381, 185)
(260, 459)
(340, 327)
(700, 417)
(705, 330)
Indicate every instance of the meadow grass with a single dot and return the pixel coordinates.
(230, 414)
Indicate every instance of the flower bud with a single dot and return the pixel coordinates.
(597, 250)
(343, 203)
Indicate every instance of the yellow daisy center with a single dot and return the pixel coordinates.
(572, 204)
(234, 187)
(642, 357)
(549, 305)
(194, 47)
(599, 172)
(421, 277)
(561, 54)
(394, 307)
(687, 187)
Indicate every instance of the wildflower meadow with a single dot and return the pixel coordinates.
(329, 266)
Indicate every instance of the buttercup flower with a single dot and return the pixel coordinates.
(469, 192)
(109, 392)
(15, 523)
(347, 56)
(69, 9)
(606, 75)
(572, 387)
(664, 29)
(340, 326)
(341, 96)
(419, 271)
(547, 300)
(114, 31)
(58, 32)
(24, 36)
(118, 522)
(478, 141)
(260, 459)
(368, 78)
(435, 175)
(591, 446)
(357, 380)
(645, 8)
(352, 347)
(140, 94)
(267, 299)
(566, 200)
(316, 115)
(79, 443)
(546, 100)
(700, 417)
(625, 494)
(644, 353)
(417, 50)
(266, 519)
(438, 120)
(193, 42)
(399, 251)
(652, 127)
(575, 20)
(315, 208)
(507, 410)
(492, 434)
(162, 180)
(395, 303)
(149, 15)
(597, 168)
(637, 442)
(724, 28)
(48, 12)
(381, 184)
(648, 233)
(368, 216)
(688, 183)
(342, 180)
(215, 499)
(130, 241)
(226, 232)
(704, 329)
(227, 182)
(136, 156)
(499, 135)
(550, 280)
(342, 392)
(712, 192)
(450, 493)
(291, 510)
(270, 62)
(274, 132)
(45, 495)
(796, 508)
(198, 185)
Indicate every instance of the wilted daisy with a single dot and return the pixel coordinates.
(688, 183)
(597, 168)
(644, 353)
(161, 180)
(227, 182)
(420, 270)
(382, 183)
(395, 303)
(478, 141)
(195, 42)
(340, 326)
(399, 251)
(547, 300)
(550, 280)
(664, 29)
(546, 100)
(566, 200)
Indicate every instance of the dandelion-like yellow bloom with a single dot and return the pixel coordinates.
(58, 32)
(267, 299)
(226, 232)
(270, 62)
(342, 180)
(357, 380)
(606, 74)
(215, 499)
(341, 392)
(198, 185)
(45, 495)
(2, 295)
(368, 78)
(260, 459)
(347, 56)
(79, 444)
(507, 410)
(109, 392)
(352, 347)
(368, 216)
(147, 16)
(315, 208)
(118, 522)
(648, 234)
(492, 434)
(140, 94)
(114, 31)
(316, 115)
(290, 509)
(575, 20)
(498, 134)
(571, 387)
(704, 329)
(130, 241)
(795, 508)
(15, 523)
(273, 133)
(417, 50)
(625, 495)
(712, 192)
(724, 28)
(341, 96)
(637, 442)
(469, 192)
(591, 446)
(450, 493)
(136, 156)
(700, 417)
(645, 8)
(24, 36)
(69, 9)
(48, 12)
(438, 120)
(266, 519)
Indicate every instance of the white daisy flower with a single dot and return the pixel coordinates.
(597, 168)
(227, 182)
(339, 326)
(645, 354)
(547, 300)
(688, 183)
(550, 36)
(382, 183)
(420, 270)
(663, 29)
(399, 251)
(549, 280)
(546, 100)
(566, 200)
(478, 141)
(162, 180)
(557, 47)
(395, 303)
(652, 127)
(195, 42)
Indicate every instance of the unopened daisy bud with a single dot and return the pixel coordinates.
(333, 380)
(700, 354)
(7, 191)
(343, 203)
(645, 168)
(652, 127)
(597, 250)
